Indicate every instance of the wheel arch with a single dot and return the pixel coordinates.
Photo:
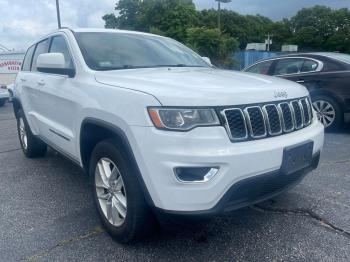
(16, 103)
(93, 131)
(317, 91)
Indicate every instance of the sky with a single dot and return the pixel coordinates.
(23, 21)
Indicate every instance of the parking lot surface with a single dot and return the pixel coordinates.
(46, 214)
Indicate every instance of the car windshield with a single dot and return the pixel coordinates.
(115, 51)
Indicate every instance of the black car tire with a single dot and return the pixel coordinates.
(33, 147)
(2, 102)
(339, 116)
(139, 220)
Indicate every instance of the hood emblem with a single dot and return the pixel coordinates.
(280, 94)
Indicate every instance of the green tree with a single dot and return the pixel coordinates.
(315, 28)
(166, 17)
(170, 17)
(245, 28)
(213, 44)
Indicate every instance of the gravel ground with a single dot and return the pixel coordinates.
(46, 214)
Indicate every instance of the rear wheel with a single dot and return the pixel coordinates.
(328, 111)
(31, 145)
(2, 102)
(117, 194)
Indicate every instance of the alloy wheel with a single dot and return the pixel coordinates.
(325, 112)
(23, 133)
(110, 191)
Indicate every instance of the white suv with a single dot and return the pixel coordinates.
(159, 129)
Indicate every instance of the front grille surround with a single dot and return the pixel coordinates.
(244, 134)
(305, 104)
(256, 130)
(259, 121)
(298, 113)
(269, 119)
(288, 117)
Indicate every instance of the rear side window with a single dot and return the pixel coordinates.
(28, 59)
(309, 66)
(288, 66)
(41, 48)
(59, 45)
(261, 68)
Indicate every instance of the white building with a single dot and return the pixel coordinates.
(10, 65)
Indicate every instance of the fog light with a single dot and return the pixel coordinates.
(195, 174)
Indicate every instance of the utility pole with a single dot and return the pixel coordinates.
(268, 41)
(58, 14)
(219, 11)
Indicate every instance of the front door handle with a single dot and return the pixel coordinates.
(41, 82)
(23, 79)
(301, 81)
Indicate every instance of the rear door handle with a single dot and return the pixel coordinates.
(41, 82)
(301, 81)
(23, 79)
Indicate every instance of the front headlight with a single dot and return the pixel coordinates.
(182, 119)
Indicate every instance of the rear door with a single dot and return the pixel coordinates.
(29, 87)
(301, 70)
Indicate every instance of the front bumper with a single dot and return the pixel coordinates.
(159, 152)
(251, 191)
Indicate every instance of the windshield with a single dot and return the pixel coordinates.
(115, 51)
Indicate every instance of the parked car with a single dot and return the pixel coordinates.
(4, 95)
(325, 75)
(158, 129)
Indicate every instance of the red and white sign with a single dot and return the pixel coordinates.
(11, 66)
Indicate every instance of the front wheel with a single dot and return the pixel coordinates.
(328, 111)
(117, 194)
(2, 102)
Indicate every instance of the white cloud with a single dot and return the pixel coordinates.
(23, 21)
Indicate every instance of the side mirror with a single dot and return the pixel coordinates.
(53, 63)
(207, 59)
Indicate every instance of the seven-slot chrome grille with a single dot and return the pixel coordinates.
(271, 119)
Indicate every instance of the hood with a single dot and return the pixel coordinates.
(202, 86)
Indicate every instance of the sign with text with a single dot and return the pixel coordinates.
(10, 66)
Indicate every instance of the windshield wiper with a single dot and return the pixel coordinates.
(150, 66)
(177, 65)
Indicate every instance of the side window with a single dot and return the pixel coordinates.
(261, 68)
(59, 45)
(288, 66)
(28, 59)
(41, 48)
(309, 66)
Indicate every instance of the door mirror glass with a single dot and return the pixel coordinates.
(53, 63)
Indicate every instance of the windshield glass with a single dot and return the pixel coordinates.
(114, 51)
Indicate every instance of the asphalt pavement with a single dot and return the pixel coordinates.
(46, 214)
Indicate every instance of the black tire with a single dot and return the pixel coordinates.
(139, 221)
(2, 102)
(34, 146)
(339, 115)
